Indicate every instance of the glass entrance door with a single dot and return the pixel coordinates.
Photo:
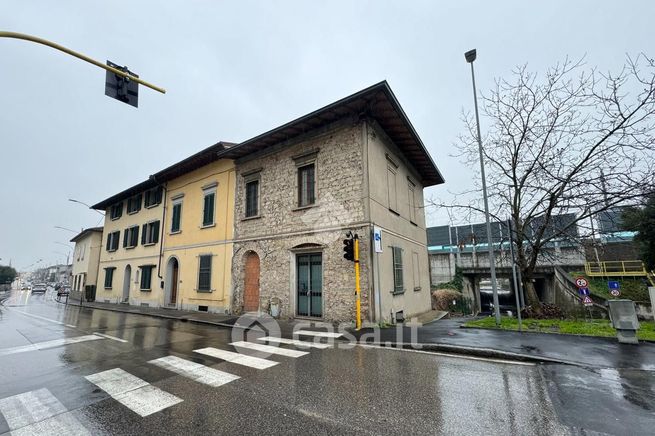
(309, 284)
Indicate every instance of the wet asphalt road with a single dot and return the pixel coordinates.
(327, 391)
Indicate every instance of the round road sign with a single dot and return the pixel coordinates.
(615, 292)
(581, 282)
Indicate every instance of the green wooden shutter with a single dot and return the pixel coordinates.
(155, 231)
(125, 238)
(108, 241)
(143, 234)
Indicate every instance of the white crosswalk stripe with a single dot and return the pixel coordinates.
(132, 392)
(237, 358)
(195, 371)
(318, 334)
(267, 349)
(39, 412)
(48, 344)
(295, 342)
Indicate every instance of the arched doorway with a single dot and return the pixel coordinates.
(172, 281)
(251, 282)
(126, 284)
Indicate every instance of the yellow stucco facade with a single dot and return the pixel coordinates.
(190, 240)
(127, 262)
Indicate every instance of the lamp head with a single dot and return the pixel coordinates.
(470, 55)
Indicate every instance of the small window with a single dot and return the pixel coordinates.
(112, 240)
(176, 217)
(398, 286)
(252, 198)
(306, 185)
(208, 207)
(131, 237)
(391, 188)
(109, 277)
(134, 204)
(152, 197)
(116, 211)
(205, 273)
(416, 272)
(412, 203)
(146, 277)
(150, 233)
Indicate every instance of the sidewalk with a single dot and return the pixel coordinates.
(216, 319)
(447, 336)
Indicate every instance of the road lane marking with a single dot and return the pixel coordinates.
(195, 371)
(48, 344)
(237, 358)
(296, 342)
(39, 412)
(456, 356)
(318, 334)
(44, 319)
(114, 338)
(132, 392)
(268, 349)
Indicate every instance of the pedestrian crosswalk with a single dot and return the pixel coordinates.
(40, 412)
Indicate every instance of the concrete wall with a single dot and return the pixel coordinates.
(194, 240)
(402, 220)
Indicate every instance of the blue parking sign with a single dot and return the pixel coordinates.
(613, 285)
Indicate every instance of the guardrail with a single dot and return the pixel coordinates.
(630, 268)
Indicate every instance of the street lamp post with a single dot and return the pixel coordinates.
(65, 228)
(470, 57)
(84, 204)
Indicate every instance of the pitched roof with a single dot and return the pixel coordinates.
(85, 232)
(377, 102)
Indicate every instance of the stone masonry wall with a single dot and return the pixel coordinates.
(282, 230)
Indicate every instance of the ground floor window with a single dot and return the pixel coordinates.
(398, 285)
(146, 277)
(109, 277)
(309, 283)
(205, 273)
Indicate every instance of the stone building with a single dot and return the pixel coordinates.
(355, 165)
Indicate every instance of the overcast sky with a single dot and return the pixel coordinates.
(233, 70)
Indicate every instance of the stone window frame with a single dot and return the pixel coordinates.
(209, 189)
(254, 175)
(211, 270)
(412, 200)
(392, 168)
(301, 160)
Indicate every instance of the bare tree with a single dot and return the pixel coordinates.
(573, 141)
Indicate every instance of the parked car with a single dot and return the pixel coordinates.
(25, 288)
(39, 288)
(63, 291)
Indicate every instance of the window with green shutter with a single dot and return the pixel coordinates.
(146, 277)
(134, 204)
(176, 217)
(150, 233)
(113, 239)
(208, 208)
(109, 277)
(205, 273)
(152, 197)
(398, 285)
(116, 211)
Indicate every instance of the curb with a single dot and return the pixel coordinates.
(489, 353)
(612, 339)
(156, 315)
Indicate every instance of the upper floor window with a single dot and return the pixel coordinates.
(176, 216)
(252, 198)
(150, 233)
(112, 240)
(411, 195)
(209, 205)
(116, 211)
(131, 237)
(134, 204)
(152, 197)
(306, 185)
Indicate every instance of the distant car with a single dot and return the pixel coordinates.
(25, 288)
(39, 288)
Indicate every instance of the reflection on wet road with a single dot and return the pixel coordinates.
(142, 375)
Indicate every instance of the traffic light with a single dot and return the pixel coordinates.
(349, 249)
(122, 88)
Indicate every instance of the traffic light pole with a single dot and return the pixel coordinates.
(358, 303)
(4, 34)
